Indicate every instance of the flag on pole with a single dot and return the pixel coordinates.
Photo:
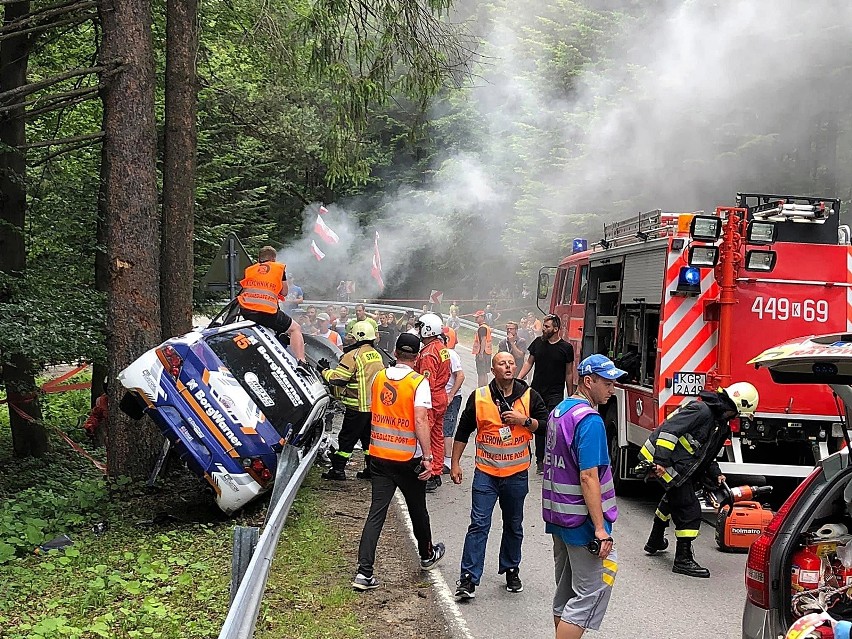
(316, 251)
(322, 229)
(376, 271)
(322, 210)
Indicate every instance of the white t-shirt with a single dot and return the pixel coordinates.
(455, 367)
(422, 396)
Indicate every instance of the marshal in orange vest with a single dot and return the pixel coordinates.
(477, 346)
(262, 284)
(497, 454)
(392, 426)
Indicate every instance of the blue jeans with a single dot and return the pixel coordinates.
(487, 491)
(451, 417)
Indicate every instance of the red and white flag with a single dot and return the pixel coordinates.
(322, 210)
(316, 251)
(322, 229)
(376, 271)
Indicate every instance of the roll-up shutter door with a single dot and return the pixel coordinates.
(643, 277)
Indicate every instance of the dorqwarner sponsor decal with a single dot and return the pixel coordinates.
(280, 376)
(254, 384)
(213, 413)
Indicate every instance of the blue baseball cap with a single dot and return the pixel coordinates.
(599, 365)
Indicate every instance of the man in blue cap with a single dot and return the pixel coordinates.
(578, 501)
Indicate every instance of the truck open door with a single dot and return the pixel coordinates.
(545, 284)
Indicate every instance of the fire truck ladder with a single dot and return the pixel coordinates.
(796, 208)
(638, 228)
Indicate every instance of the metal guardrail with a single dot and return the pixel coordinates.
(242, 615)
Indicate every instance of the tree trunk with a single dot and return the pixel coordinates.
(132, 224)
(176, 256)
(28, 438)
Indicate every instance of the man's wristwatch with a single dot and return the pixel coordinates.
(528, 422)
(429, 458)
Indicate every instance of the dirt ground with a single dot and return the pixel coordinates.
(405, 604)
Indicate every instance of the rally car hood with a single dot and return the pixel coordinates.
(822, 359)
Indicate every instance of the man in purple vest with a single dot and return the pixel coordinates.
(578, 501)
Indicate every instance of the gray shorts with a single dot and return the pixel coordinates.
(583, 584)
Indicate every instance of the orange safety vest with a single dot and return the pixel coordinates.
(452, 339)
(477, 347)
(392, 425)
(261, 285)
(494, 455)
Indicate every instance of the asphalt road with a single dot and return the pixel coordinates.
(648, 600)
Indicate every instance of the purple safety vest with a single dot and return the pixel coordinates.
(562, 498)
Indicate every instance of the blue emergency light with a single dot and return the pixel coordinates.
(579, 245)
(688, 281)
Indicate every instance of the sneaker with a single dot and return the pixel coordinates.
(539, 469)
(364, 583)
(465, 588)
(432, 483)
(337, 475)
(513, 581)
(437, 553)
(445, 470)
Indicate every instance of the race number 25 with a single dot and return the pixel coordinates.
(782, 309)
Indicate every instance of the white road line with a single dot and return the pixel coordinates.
(458, 626)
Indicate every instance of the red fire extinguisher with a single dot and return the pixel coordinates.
(807, 570)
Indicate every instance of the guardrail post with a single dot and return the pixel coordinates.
(245, 540)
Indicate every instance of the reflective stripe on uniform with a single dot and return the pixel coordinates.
(565, 509)
(661, 516)
(401, 446)
(259, 297)
(662, 443)
(688, 533)
(687, 446)
(561, 489)
(670, 473)
(610, 569)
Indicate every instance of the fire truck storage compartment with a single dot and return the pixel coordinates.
(822, 532)
(643, 277)
(602, 305)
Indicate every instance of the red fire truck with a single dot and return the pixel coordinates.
(683, 300)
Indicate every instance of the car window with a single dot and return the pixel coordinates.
(584, 281)
(263, 375)
(568, 286)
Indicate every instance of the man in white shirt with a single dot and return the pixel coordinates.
(454, 396)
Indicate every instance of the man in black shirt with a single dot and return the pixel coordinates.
(553, 358)
(513, 344)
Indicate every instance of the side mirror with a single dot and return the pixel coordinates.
(543, 285)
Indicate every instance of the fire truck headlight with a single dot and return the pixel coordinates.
(706, 256)
(705, 228)
(760, 260)
(761, 232)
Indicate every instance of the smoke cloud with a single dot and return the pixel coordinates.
(677, 106)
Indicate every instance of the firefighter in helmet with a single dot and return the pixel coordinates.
(359, 364)
(682, 452)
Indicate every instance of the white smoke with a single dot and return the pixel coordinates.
(678, 111)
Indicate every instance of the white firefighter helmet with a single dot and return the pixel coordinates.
(362, 331)
(745, 396)
(429, 325)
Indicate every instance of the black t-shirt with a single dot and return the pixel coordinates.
(550, 362)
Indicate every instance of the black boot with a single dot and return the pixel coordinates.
(366, 473)
(656, 540)
(684, 563)
(338, 464)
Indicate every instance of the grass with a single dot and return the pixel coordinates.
(140, 579)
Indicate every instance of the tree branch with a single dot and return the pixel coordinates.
(7, 96)
(62, 104)
(49, 25)
(57, 142)
(48, 12)
(55, 96)
(47, 158)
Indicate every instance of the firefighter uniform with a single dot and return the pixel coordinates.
(355, 373)
(686, 446)
(433, 363)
